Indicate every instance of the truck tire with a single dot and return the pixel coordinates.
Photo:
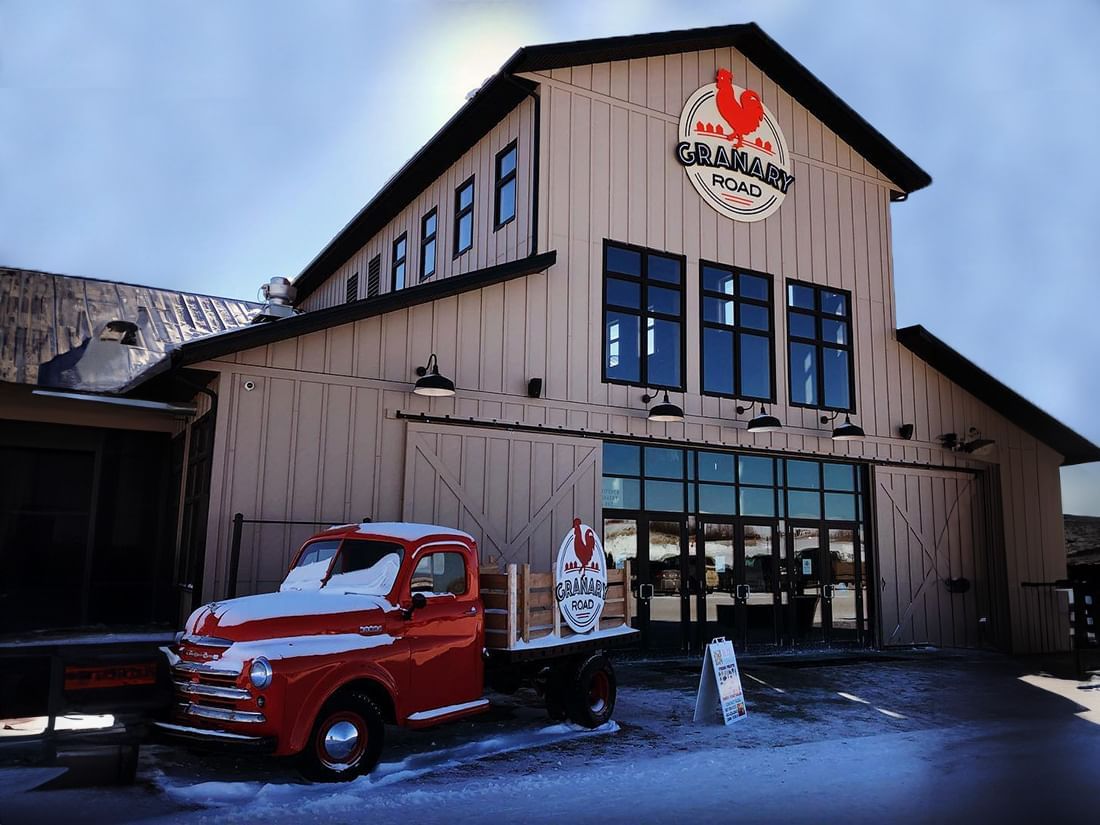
(592, 692)
(554, 683)
(346, 739)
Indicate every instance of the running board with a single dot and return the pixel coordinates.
(436, 716)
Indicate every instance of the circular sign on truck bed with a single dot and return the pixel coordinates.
(580, 579)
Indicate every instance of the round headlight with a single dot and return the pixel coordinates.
(260, 673)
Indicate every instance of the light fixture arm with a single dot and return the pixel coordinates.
(432, 366)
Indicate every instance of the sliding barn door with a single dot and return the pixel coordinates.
(933, 575)
(516, 493)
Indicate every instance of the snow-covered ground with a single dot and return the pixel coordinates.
(918, 737)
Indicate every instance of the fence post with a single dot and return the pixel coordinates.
(234, 555)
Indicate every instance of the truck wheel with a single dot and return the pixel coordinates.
(346, 739)
(554, 683)
(592, 692)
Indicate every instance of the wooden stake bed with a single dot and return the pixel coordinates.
(520, 609)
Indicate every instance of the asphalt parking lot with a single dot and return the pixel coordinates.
(913, 736)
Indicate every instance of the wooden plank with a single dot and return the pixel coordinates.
(512, 597)
(525, 604)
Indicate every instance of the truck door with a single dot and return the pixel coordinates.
(444, 636)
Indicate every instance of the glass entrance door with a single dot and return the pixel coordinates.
(809, 610)
(757, 594)
(666, 585)
(741, 591)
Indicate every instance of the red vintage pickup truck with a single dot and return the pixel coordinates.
(382, 623)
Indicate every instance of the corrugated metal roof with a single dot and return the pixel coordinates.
(51, 328)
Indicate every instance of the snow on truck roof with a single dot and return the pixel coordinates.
(404, 530)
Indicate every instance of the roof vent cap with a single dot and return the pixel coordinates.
(279, 295)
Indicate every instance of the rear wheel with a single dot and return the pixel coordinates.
(592, 692)
(346, 739)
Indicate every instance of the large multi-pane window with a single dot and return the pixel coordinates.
(737, 333)
(819, 332)
(427, 245)
(643, 317)
(504, 207)
(397, 273)
(679, 480)
(464, 216)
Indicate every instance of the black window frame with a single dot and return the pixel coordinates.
(644, 282)
(461, 212)
(736, 329)
(402, 262)
(351, 288)
(425, 240)
(502, 181)
(820, 344)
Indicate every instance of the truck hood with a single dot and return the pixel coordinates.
(286, 614)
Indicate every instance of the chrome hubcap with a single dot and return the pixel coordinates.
(341, 740)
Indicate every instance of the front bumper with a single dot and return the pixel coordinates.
(213, 739)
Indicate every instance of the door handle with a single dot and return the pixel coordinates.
(645, 592)
(827, 592)
(472, 611)
(742, 592)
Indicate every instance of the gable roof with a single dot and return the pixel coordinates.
(771, 58)
(1074, 448)
(504, 91)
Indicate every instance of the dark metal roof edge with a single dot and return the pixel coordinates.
(773, 60)
(269, 332)
(497, 96)
(1074, 447)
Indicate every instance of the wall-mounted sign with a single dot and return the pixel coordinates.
(733, 152)
(580, 580)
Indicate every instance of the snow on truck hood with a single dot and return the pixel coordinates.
(286, 604)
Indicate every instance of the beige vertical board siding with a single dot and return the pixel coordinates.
(514, 493)
(490, 246)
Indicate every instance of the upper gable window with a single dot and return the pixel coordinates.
(427, 245)
(464, 216)
(643, 317)
(400, 251)
(505, 200)
(819, 335)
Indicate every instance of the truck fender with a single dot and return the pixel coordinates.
(326, 687)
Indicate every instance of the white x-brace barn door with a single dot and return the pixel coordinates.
(932, 534)
(517, 493)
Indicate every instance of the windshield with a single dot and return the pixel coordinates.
(312, 566)
(365, 566)
(359, 566)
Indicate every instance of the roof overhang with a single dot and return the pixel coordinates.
(257, 335)
(1074, 448)
(771, 58)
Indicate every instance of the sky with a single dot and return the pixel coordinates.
(211, 146)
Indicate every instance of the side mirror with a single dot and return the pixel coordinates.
(419, 601)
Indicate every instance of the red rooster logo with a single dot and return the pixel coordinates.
(583, 547)
(744, 116)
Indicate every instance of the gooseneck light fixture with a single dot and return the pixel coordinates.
(431, 383)
(664, 412)
(761, 423)
(846, 431)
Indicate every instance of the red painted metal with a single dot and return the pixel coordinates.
(434, 661)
